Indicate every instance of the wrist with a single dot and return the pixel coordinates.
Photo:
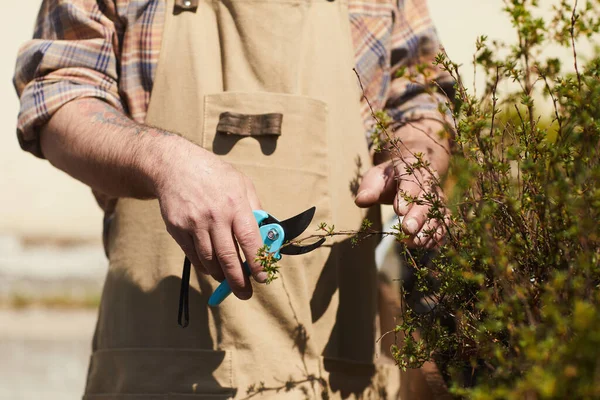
(156, 159)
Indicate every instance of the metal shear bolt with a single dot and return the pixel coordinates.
(273, 235)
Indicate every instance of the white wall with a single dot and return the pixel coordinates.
(37, 200)
(461, 22)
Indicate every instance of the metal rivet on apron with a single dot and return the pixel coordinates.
(185, 5)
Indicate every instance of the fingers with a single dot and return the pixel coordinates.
(437, 239)
(186, 243)
(439, 235)
(425, 232)
(378, 186)
(219, 253)
(247, 234)
(415, 219)
(425, 235)
(410, 187)
(429, 236)
(226, 252)
(406, 203)
(207, 206)
(411, 203)
(385, 183)
(206, 254)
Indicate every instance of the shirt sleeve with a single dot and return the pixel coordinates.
(415, 44)
(73, 54)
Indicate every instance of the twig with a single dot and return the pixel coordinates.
(555, 105)
(572, 31)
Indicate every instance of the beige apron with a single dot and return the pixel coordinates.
(310, 334)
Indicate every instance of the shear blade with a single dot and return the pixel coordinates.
(293, 227)
(294, 250)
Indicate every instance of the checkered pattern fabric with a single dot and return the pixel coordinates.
(109, 49)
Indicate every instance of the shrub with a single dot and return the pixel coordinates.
(518, 276)
(513, 294)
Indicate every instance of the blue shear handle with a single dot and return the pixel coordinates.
(224, 290)
(274, 243)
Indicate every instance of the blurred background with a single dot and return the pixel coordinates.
(51, 260)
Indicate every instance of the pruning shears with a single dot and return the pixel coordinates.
(274, 234)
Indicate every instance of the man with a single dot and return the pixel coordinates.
(130, 98)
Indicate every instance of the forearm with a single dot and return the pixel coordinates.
(203, 200)
(98, 145)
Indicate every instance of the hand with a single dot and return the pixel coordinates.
(389, 182)
(206, 204)
(207, 207)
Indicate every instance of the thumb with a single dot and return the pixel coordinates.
(377, 185)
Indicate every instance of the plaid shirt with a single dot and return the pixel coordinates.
(109, 49)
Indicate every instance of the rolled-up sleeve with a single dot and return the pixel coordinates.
(415, 45)
(73, 54)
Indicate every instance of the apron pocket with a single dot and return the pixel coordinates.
(131, 373)
(280, 141)
(272, 129)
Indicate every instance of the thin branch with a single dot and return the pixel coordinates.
(574, 17)
(555, 105)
